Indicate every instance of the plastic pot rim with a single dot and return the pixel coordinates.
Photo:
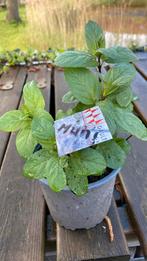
(92, 185)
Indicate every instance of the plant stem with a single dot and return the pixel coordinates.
(99, 69)
(129, 137)
(99, 65)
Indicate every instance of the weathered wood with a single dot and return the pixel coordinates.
(93, 244)
(61, 88)
(41, 76)
(51, 229)
(9, 100)
(133, 177)
(51, 257)
(126, 224)
(134, 183)
(7, 79)
(139, 87)
(22, 212)
(22, 207)
(141, 66)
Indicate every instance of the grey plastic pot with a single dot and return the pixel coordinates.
(86, 211)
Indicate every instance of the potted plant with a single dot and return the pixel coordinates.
(78, 187)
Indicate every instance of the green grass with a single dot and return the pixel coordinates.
(12, 35)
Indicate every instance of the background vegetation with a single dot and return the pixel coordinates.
(12, 35)
(59, 24)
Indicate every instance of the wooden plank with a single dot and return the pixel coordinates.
(141, 66)
(51, 257)
(132, 239)
(134, 183)
(61, 88)
(22, 212)
(9, 100)
(22, 207)
(7, 80)
(125, 221)
(41, 76)
(141, 55)
(93, 244)
(139, 87)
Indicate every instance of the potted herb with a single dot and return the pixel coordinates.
(78, 187)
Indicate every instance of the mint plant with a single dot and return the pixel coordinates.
(110, 90)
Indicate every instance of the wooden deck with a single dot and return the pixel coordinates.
(28, 233)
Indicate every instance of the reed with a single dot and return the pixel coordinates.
(60, 23)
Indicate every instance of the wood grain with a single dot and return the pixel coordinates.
(134, 182)
(22, 205)
(93, 244)
(61, 88)
(134, 177)
(7, 79)
(22, 212)
(139, 87)
(141, 66)
(9, 100)
(125, 221)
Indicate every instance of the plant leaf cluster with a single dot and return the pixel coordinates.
(19, 57)
(89, 85)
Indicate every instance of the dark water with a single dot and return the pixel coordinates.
(129, 20)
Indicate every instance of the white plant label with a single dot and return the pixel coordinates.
(81, 130)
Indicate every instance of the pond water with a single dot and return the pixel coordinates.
(123, 25)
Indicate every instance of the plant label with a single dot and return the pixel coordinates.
(81, 130)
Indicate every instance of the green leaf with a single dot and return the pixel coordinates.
(131, 123)
(125, 97)
(117, 54)
(25, 142)
(12, 121)
(69, 98)
(83, 84)
(56, 176)
(43, 164)
(77, 184)
(75, 59)
(81, 107)
(33, 97)
(34, 167)
(92, 160)
(42, 126)
(118, 78)
(113, 154)
(125, 146)
(61, 114)
(107, 109)
(25, 110)
(87, 162)
(94, 36)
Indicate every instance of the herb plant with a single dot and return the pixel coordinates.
(18, 57)
(110, 90)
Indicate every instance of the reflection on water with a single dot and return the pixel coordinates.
(124, 25)
(125, 39)
(122, 19)
(58, 25)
